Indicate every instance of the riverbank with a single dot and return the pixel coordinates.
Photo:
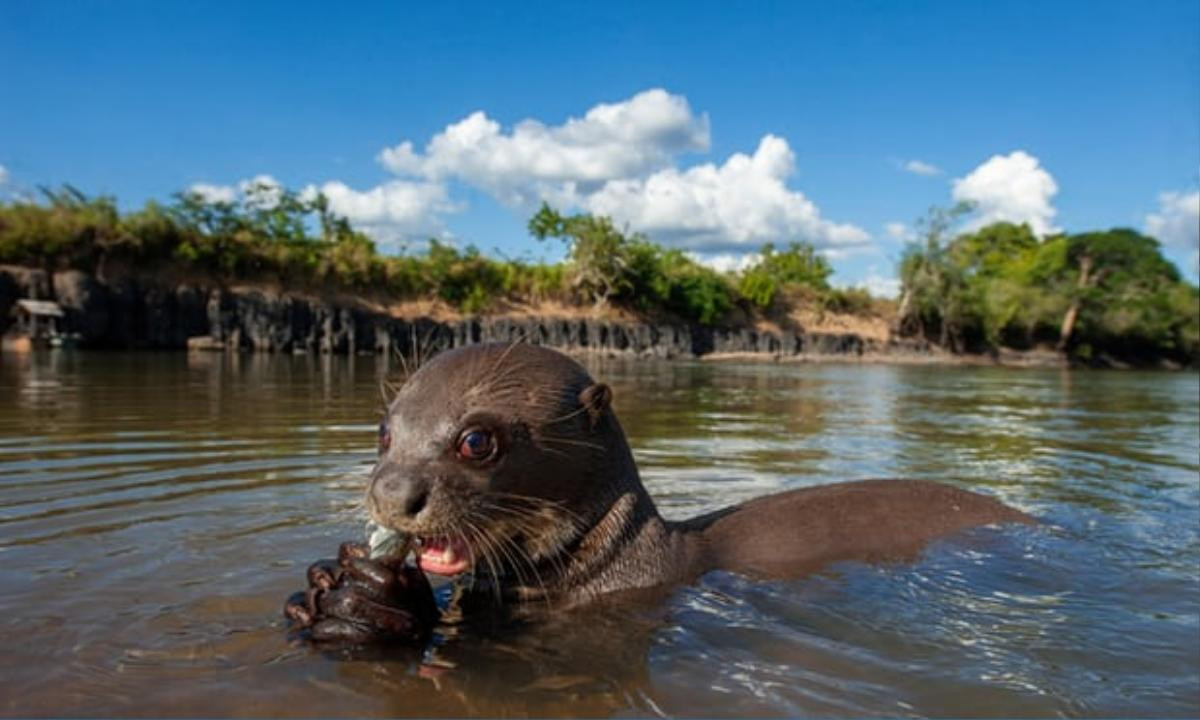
(139, 312)
(930, 355)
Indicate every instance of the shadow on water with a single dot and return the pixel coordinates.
(156, 509)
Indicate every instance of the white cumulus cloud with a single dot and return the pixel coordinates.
(394, 211)
(1012, 188)
(261, 191)
(391, 212)
(736, 206)
(622, 160)
(726, 262)
(3, 175)
(1177, 223)
(612, 140)
(898, 231)
(881, 285)
(916, 167)
(215, 193)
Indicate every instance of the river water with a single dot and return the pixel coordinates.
(156, 509)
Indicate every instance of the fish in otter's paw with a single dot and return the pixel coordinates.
(507, 460)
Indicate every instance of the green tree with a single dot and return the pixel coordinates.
(991, 265)
(598, 252)
(1115, 283)
(799, 265)
(932, 285)
(1109, 291)
(607, 266)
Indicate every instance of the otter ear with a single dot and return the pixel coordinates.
(596, 399)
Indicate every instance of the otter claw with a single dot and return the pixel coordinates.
(324, 574)
(350, 550)
(296, 609)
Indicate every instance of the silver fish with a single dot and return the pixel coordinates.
(387, 544)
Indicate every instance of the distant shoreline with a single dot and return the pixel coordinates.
(1034, 359)
(152, 313)
(277, 271)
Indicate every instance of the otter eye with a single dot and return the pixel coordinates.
(385, 437)
(476, 445)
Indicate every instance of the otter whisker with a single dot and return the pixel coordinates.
(535, 526)
(501, 544)
(403, 362)
(516, 554)
(536, 518)
(568, 416)
(523, 555)
(556, 505)
(486, 551)
(383, 394)
(562, 453)
(523, 337)
(568, 441)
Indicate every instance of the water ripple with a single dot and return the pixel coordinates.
(155, 509)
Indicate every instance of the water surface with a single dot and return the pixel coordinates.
(155, 510)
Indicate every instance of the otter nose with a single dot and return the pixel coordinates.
(401, 494)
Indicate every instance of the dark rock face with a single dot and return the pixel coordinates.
(10, 292)
(86, 303)
(141, 313)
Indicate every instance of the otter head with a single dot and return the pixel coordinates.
(498, 456)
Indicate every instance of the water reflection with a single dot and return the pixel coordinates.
(155, 509)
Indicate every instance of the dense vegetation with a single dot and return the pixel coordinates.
(1101, 292)
(1091, 293)
(275, 235)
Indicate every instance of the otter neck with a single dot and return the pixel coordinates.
(627, 546)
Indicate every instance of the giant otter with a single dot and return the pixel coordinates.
(507, 460)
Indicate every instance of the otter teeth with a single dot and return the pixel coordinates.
(439, 549)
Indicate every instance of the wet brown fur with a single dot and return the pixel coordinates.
(562, 515)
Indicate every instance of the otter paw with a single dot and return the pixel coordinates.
(356, 600)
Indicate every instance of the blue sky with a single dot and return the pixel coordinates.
(722, 124)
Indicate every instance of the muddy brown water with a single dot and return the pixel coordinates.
(156, 509)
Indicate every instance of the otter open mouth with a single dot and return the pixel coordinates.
(438, 554)
(443, 555)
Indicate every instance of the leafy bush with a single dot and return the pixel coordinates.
(464, 279)
(850, 301)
